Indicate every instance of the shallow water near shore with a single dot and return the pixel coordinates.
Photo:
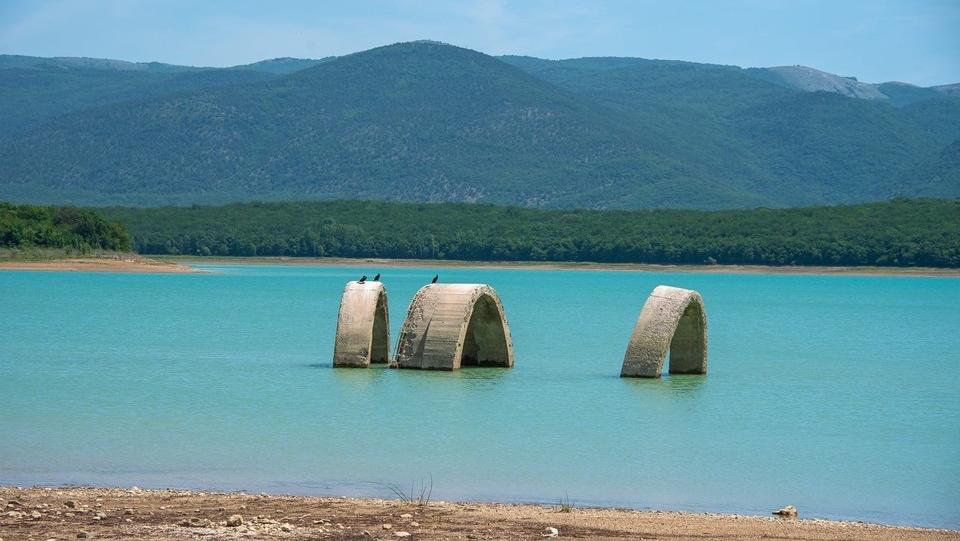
(833, 393)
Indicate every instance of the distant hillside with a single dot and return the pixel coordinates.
(281, 66)
(33, 91)
(430, 122)
(949, 90)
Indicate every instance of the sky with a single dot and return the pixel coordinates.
(916, 41)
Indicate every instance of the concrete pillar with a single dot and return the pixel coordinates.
(673, 320)
(363, 326)
(454, 325)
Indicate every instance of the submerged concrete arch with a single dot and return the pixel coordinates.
(674, 320)
(363, 326)
(454, 325)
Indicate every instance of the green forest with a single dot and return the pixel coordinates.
(82, 230)
(901, 232)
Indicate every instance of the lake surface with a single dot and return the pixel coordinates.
(838, 394)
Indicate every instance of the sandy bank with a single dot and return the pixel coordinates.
(375, 263)
(134, 265)
(62, 513)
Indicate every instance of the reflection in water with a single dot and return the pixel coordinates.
(669, 385)
(320, 365)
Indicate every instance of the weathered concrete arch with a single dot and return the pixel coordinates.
(363, 326)
(454, 325)
(672, 319)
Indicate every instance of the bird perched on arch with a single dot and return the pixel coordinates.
(377, 277)
(435, 278)
(362, 279)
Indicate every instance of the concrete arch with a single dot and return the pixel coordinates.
(674, 320)
(363, 326)
(454, 325)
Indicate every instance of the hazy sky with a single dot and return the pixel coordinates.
(916, 41)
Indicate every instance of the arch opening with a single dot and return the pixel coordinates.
(380, 345)
(484, 342)
(688, 346)
(673, 321)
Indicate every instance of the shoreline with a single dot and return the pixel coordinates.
(117, 513)
(185, 265)
(566, 266)
(137, 265)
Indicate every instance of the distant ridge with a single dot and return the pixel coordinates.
(814, 80)
(71, 62)
(429, 122)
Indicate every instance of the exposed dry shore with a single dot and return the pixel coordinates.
(374, 263)
(181, 264)
(93, 513)
(96, 264)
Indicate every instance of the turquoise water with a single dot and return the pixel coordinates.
(838, 394)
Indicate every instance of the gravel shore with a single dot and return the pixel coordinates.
(98, 513)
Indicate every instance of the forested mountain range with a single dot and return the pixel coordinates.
(429, 122)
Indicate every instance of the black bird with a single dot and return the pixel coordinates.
(363, 278)
(377, 277)
(435, 278)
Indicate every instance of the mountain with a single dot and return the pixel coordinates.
(424, 121)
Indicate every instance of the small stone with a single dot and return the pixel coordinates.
(234, 520)
(194, 522)
(550, 531)
(82, 535)
(72, 504)
(135, 490)
(286, 528)
(402, 534)
(69, 515)
(35, 515)
(414, 524)
(14, 514)
(128, 511)
(387, 526)
(786, 512)
(13, 503)
(406, 515)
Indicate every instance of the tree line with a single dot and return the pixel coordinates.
(82, 230)
(901, 232)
